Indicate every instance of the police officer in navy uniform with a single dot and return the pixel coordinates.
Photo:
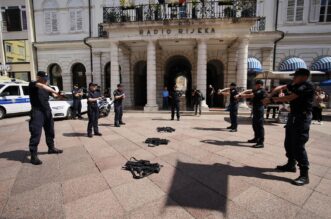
(175, 99)
(257, 95)
(93, 110)
(232, 91)
(297, 128)
(77, 94)
(41, 116)
(119, 96)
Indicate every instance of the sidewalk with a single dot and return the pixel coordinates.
(207, 172)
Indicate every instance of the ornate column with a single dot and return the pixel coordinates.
(114, 66)
(151, 77)
(202, 69)
(242, 67)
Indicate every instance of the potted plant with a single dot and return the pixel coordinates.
(157, 11)
(111, 16)
(229, 12)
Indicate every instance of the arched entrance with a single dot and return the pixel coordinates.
(79, 75)
(55, 75)
(178, 68)
(215, 77)
(140, 84)
(107, 76)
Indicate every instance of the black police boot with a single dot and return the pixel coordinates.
(98, 134)
(172, 118)
(253, 140)
(259, 144)
(54, 150)
(303, 179)
(233, 130)
(289, 167)
(34, 159)
(89, 135)
(230, 127)
(178, 119)
(117, 124)
(122, 123)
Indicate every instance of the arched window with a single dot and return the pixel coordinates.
(55, 73)
(79, 75)
(50, 16)
(75, 15)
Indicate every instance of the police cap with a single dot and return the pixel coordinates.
(301, 72)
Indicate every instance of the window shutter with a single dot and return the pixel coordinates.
(79, 20)
(299, 10)
(314, 10)
(47, 15)
(72, 20)
(290, 10)
(4, 21)
(54, 22)
(24, 21)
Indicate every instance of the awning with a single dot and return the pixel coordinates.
(292, 64)
(281, 75)
(322, 64)
(253, 65)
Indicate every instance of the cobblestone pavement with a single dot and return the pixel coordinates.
(207, 172)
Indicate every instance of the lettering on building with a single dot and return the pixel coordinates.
(199, 30)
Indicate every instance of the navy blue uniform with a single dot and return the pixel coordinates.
(40, 117)
(233, 108)
(92, 113)
(118, 107)
(197, 98)
(258, 115)
(175, 99)
(298, 123)
(77, 104)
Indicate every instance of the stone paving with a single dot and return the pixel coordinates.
(207, 172)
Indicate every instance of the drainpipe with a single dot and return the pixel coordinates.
(90, 35)
(282, 37)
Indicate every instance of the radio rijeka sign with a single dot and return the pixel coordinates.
(168, 31)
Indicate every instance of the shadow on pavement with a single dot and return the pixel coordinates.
(228, 143)
(74, 134)
(17, 155)
(210, 188)
(246, 121)
(107, 125)
(211, 129)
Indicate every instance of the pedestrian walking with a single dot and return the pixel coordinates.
(41, 116)
(165, 96)
(298, 123)
(318, 106)
(232, 91)
(211, 93)
(175, 99)
(93, 110)
(197, 99)
(119, 96)
(257, 95)
(77, 94)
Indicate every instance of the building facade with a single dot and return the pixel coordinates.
(146, 45)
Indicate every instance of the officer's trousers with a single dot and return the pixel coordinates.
(197, 106)
(40, 119)
(93, 117)
(77, 106)
(257, 123)
(233, 108)
(296, 136)
(118, 113)
(175, 106)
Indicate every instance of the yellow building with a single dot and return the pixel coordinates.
(17, 51)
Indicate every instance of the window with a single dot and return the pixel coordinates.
(325, 11)
(51, 24)
(76, 20)
(295, 10)
(8, 48)
(314, 10)
(17, 51)
(25, 90)
(14, 18)
(12, 91)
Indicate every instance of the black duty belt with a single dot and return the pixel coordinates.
(141, 168)
(152, 142)
(165, 129)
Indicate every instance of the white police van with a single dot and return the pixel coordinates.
(14, 98)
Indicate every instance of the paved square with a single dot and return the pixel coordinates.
(207, 172)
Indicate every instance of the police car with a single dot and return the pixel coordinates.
(14, 97)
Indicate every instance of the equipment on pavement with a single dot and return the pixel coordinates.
(165, 129)
(141, 168)
(152, 142)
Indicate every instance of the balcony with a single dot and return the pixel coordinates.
(259, 25)
(215, 9)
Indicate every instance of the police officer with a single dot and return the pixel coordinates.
(119, 96)
(298, 123)
(175, 99)
(92, 110)
(41, 116)
(257, 95)
(77, 94)
(197, 98)
(232, 91)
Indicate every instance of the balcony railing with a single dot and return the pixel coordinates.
(259, 25)
(190, 10)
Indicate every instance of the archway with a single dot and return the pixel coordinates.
(215, 77)
(178, 68)
(107, 76)
(55, 75)
(140, 83)
(79, 75)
